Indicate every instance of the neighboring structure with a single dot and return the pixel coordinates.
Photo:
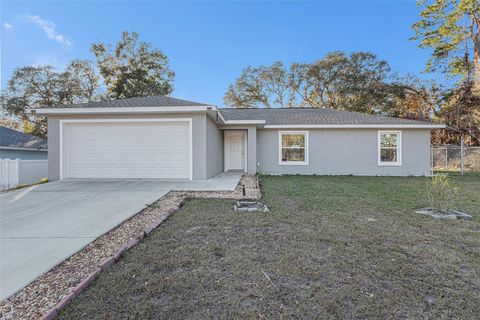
(163, 137)
(18, 145)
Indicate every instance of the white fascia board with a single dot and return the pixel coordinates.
(119, 110)
(245, 122)
(357, 126)
(22, 149)
(220, 114)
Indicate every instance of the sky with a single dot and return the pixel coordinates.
(209, 43)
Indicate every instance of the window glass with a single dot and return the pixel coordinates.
(293, 147)
(293, 140)
(388, 155)
(388, 140)
(293, 155)
(389, 148)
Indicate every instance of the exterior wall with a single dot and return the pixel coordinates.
(252, 149)
(214, 138)
(199, 124)
(31, 171)
(23, 154)
(346, 151)
(53, 148)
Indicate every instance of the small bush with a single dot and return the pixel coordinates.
(441, 193)
(43, 180)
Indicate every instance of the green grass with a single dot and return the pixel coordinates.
(332, 247)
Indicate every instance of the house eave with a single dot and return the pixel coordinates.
(357, 126)
(256, 122)
(23, 149)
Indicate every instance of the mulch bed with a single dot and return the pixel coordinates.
(36, 299)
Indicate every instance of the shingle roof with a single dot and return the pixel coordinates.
(10, 138)
(152, 101)
(312, 116)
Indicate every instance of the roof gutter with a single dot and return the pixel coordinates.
(357, 126)
(245, 122)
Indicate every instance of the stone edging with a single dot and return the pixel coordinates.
(248, 183)
(49, 293)
(107, 263)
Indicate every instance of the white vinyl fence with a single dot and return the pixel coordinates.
(14, 173)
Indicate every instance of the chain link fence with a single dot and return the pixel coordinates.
(449, 158)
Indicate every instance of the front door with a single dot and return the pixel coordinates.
(235, 150)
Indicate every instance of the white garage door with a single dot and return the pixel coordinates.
(126, 149)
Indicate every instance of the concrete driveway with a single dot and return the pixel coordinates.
(42, 225)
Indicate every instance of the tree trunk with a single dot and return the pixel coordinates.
(476, 64)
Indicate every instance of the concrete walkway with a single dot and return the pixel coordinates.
(41, 226)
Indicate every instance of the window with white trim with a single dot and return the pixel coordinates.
(389, 148)
(293, 147)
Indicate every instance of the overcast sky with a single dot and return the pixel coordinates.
(209, 43)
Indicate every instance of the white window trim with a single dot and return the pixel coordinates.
(63, 122)
(292, 163)
(399, 148)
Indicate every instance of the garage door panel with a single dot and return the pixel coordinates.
(127, 150)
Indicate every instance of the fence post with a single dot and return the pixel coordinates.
(462, 155)
(431, 160)
(446, 158)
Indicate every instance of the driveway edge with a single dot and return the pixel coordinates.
(47, 295)
(109, 262)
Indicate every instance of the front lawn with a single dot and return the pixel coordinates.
(332, 247)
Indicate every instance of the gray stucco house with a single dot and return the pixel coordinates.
(163, 137)
(18, 145)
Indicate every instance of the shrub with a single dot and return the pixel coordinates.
(441, 193)
(43, 180)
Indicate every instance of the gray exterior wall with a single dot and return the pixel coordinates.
(23, 154)
(346, 151)
(252, 149)
(199, 124)
(32, 171)
(214, 137)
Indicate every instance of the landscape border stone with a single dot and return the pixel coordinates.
(179, 199)
(105, 265)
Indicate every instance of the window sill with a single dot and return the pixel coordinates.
(389, 164)
(293, 163)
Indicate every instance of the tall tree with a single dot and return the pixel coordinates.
(264, 86)
(339, 81)
(133, 68)
(11, 123)
(414, 98)
(460, 111)
(43, 86)
(452, 29)
(356, 82)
